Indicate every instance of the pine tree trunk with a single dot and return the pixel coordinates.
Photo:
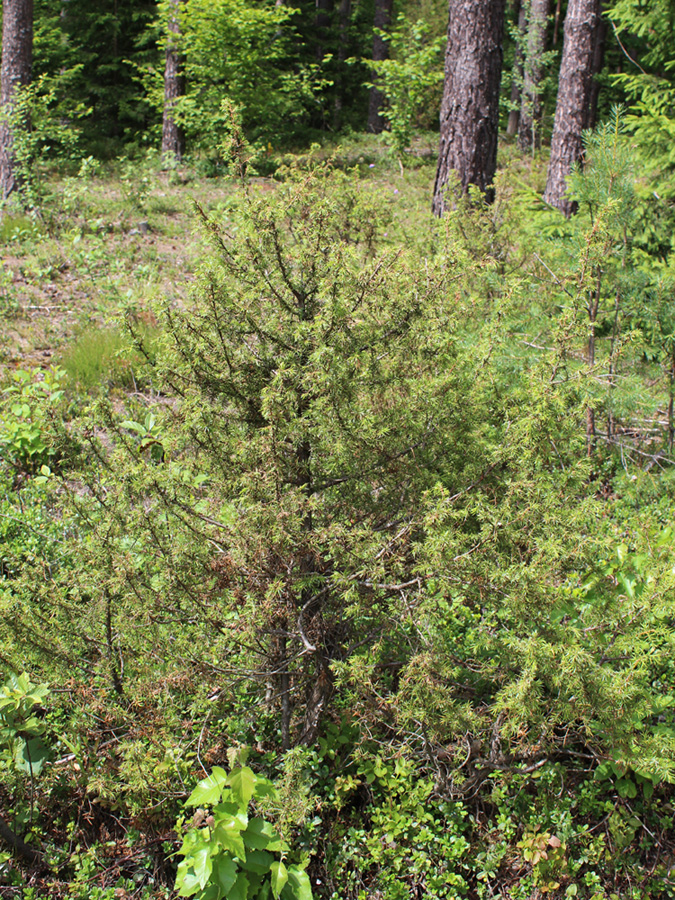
(517, 77)
(344, 13)
(322, 23)
(574, 95)
(596, 68)
(470, 107)
(529, 128)
(173, 139)
(17, 64)
(382, 21)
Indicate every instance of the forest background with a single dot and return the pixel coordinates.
(336, 504)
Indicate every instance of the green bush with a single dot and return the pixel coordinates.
(231, 854)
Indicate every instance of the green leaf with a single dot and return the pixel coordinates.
(225, 873)
(187, 883)
(134, 426)
(261, 836)
(239, 890)
(242, 781)
(298, 882)
(258, 861)
(228, 834)
(209, 791)
(31, 755)
(265, 788)
(279, 878)
(626, 788)
(202, 863)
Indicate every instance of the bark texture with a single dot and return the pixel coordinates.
(529, 126)
(596, 67)
(382, 21)
(17, 64)
(173, 139)
(344, 14)
(574, 96)
(470, 107)
(322, 23)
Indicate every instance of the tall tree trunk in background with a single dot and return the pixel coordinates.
(529, 128)
(382, 22)
(574, 96)
(596, 67)
(17, 65)
(322, 23)
(470, 107)
(520, 12)
(344, 12)
(556, 22)
(173, 139)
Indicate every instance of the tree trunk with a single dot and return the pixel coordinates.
(173, 139)
(344, 12)
(529, 128)
(574, 95)
(596, 68)
(382, 22)
(517, 77)
(322, 23)
(470, 107)
(17, 64)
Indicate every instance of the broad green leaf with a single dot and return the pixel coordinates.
(239, 890)
(225, 873)
(208, 792)
(187, 882)
(298, 882)
(134, 426)
(265, 788)
(258, 861)
(31, 756)
(202, 863)
(261, 836)
(279, 878)
(242, 781)
(228, 834)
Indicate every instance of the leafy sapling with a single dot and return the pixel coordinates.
(228, 853)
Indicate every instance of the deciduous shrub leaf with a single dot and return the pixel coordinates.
(239, 890)
(261, 836)
(242, 781)
(187, 883)
(298, 883)
(202, 863)
(259, 861)
(208, 791)
(228, 834)
(31, 756)
(225, 873)
(279, 878)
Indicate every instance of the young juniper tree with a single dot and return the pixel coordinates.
(470, 108)
(17, 62)
(320, 391)
(574, 96)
